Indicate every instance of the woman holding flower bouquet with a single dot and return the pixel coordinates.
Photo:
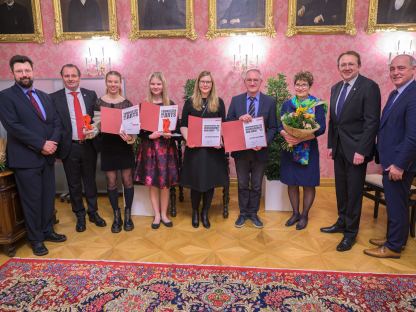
(303, 120)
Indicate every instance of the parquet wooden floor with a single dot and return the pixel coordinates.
(273, 246)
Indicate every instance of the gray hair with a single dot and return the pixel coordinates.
(252, 70)
(412, 59)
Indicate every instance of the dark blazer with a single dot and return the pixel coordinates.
(267, 109)
(397, 135)
(26, 130)
(387, 14)
(61, 105)
(357, 126)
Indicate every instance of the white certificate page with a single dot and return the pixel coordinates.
(254, 133)
(130, 120)
(211, 132)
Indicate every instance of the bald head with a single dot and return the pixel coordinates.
(402, 69)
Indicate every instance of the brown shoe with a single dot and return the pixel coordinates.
(380, 242)
(382, 252)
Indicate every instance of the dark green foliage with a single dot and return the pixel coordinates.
(188, 88)
(277, 88)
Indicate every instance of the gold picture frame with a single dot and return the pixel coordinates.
(215, 31)
(187, 31)
(347, 28)
(62, 34)
(374, 26)
(36, 36)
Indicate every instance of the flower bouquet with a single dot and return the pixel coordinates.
(301, 123)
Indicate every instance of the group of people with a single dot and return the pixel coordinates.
(66, 124)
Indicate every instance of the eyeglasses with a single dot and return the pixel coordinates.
(302, 86)
(206, 82)
(249, 80)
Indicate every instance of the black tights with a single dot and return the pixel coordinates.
(127, 178)
(206, 199)
(308, 198)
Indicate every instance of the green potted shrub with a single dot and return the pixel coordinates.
(188, 88)
(276, 197)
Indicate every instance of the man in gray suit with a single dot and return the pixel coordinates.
(250, 164)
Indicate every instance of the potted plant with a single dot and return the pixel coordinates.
(276, 197)
(188, 88)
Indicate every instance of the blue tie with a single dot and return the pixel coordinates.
(389, 104)
(342, 97)
(252, 107)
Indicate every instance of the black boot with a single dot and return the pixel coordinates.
(117, 223)
(195, 218)
(128, 196)
(128, 222)
(204, 218)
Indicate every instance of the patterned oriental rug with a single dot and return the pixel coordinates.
(67, 285)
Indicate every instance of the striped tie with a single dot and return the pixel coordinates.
(252, 107)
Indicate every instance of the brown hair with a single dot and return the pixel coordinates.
(304, 76)
(350, 53)
(113, 73)
(70, 66)
(19, 59)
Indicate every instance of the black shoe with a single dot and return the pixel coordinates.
(128, 222)
(336, 228)
(117, 222)
(303, 222)
(205, 220)
(39, 249)
(97, 220)
(293, 219)
(55, 237)
(167, 224)
(80, 227)
(346, 244)
(256, 221)
(241, 220)
(195, 218)
(155, 226)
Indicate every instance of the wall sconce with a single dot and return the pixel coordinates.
(411, 50)
(97, 63)
(245, 58)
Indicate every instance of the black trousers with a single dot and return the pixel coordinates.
(36, 188)
(349, 184)
(80, 167)
(250, 172)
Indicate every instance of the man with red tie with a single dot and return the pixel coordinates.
(396, 146)
(76, 147)
(33, 133)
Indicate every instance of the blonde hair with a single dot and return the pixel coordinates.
(113, 73)
(165, 97)
(212, 99)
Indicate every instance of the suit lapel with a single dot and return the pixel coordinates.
(354, 89)
(87, 101)
(334, 98)
(24, 99)
(64, 109)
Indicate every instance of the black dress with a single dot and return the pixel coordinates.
(203, 168)
(116, 154)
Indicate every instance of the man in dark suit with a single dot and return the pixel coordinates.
(243, 14)
(84, 15)
(15, 18)
(250, 164)
(396, 11)
(33, 133)
(76, 147)
(396, 145)
(321, 12)
(353, 126)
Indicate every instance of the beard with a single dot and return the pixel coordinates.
(23, 83)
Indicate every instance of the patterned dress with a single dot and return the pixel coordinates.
(156, 161)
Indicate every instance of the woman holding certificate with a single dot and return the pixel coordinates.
(157, 158)
(117, 154)
(204, 168)
(300, 162)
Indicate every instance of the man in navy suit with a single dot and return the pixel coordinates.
(396, 145)
(76, 148)
(353, 125)
(33, 133)
(250, 164)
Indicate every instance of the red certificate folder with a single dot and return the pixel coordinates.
(110, 120)
(233, 136)
(149, 116)
(194, 131)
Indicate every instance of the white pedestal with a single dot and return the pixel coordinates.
(276, 198)
(142, 205)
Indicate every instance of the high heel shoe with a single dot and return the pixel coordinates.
(303, 222)
(293, 219)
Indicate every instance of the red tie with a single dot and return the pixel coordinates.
(35, 104)
(78, 116)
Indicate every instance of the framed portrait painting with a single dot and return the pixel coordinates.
(228, 17)
(20, 21)
(321, 17)
(162, 18)
(392, 15)
(83, 19)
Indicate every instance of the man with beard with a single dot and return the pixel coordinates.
(33, 133)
